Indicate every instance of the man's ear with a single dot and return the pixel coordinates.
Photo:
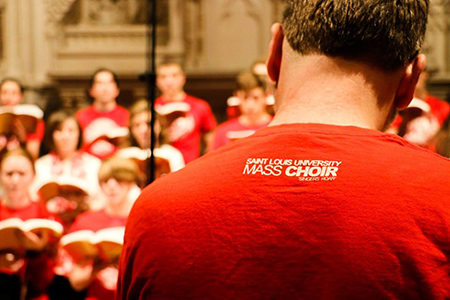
(275, 52)
(405, 91)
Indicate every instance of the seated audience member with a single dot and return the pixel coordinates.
(253, 112)
(67, 161)
(184, 133)
(11, 94)
(321, 204)
(140, 138)
(117, 177)
(104, 123)
(30, 270)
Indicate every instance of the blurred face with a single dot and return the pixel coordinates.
(170, 80)
(10, 93)
(116, 192)
(104, 88)
(140, 129)
(253, 102)
(66, 137)
(16, 175)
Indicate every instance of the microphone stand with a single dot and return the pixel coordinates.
(150, 78)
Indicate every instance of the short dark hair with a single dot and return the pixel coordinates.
(55, 122)
(92, 79)
(384, 33)
(10, 79)
(168, 63)
(246, 81)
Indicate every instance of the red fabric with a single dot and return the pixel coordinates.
(204, 121)
(32, 211)
(39, 133)
(233, 112)
(220, 133)
(93, 121)
(96, 220)
(438, 107)
(374, 223)
(38, 269)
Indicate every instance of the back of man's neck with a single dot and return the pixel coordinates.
(336, 92)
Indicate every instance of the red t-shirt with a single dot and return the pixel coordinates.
(233, 130)
(96, 220)
(438, 107)
(33, 211)
(198, 121)
(300, 211)
(95, 123)
(39, 133)
(38, 269)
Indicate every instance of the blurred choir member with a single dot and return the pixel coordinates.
(139, 138)
(184, 133)
(104, 122)
(66, 159)
(252, 106)
(28, 272)
(117, 177)
(259, 69)
(11, 94)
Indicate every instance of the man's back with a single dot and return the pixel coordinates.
(295, 211)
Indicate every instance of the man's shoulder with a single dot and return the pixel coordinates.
(356, 153)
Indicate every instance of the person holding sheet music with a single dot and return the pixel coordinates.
(104, 123)
(252, 107)
(68, 161)
(30, 267)
(117, 177)
(139, 141)
(11, 95)
(188, 131)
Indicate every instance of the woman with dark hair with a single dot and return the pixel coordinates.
(139, 138)
(66, 160)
